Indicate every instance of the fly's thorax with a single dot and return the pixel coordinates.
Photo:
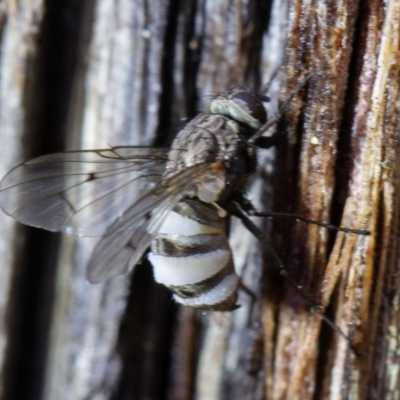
(191, 256)
(205, 139)
(238, 169)
(194, 144)
(218, 140)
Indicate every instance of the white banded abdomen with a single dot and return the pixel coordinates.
(191, 256)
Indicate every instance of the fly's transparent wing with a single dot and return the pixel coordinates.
(130, 235)
(81, 192)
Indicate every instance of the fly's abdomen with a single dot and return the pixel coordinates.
(191, 256)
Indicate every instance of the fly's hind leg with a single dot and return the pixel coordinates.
(236, 210)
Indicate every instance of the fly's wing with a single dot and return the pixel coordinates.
(130, 235)
(81, 193)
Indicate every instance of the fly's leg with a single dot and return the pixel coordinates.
(266, 142)
(268, 85)
(252, 212)
(236, 210)
(309, 221)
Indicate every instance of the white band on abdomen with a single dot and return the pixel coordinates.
(177, 271)
(177, 224)
(216, 295)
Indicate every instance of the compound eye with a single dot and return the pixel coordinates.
(251, 105)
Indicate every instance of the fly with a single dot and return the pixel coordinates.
(175, 201)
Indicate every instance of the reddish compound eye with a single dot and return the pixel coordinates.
(251, 105)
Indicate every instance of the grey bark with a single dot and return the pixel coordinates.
(90, 74)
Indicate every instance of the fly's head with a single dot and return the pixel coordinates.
(242, 105)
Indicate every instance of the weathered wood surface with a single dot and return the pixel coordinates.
(89, 74)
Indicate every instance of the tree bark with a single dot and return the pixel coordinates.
(93, 74)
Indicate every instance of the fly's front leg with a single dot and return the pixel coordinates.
(257, 139)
